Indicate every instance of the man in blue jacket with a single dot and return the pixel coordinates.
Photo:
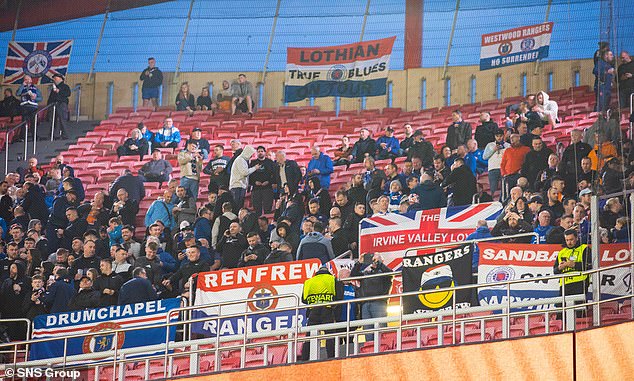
(482, 231)
(59, 293)
(430, 195)
(320, 165)
(161, 210)
(138, 289)
(388, 146)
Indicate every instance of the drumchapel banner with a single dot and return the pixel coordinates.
(350, 71)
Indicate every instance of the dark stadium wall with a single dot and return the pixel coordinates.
(406, 86)
(605, 353)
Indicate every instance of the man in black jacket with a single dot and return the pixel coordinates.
(262, 183)
(365, 146)
(462, 182)
(256, 253)
(535, 161)
(59, 96)
(125, 208)
(77, 226)
(107, 284)
(284, 253)
(485, 132)
(152, 79)
(216, 168)
(421, 149)
(138, 289)
(194, 265)
(287, 172)
(231, 246)
(512, 224)
(458, 132)
(86, 297)
(376, 286)
(10, 105)
(86, 261)
(339, 237)
(34, 203)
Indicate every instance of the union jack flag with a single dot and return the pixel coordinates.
(392, 234)
(40, 60)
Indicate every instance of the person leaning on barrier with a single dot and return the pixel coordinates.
(374, 286)
(574, 257)
(322, 288)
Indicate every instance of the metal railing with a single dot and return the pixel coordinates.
(458, 317)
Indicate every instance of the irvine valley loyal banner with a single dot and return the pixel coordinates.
(437, 271)
(515, 46)
(350, 71)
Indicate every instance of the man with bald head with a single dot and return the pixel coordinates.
(287, 172)
(125, 208)
(320, 166)
(29, 96)
(261, 182)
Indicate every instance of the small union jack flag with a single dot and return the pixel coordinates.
(40, 60)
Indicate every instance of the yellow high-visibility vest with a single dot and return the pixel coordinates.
(320, 289)
(576, 255)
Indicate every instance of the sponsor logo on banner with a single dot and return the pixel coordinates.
(506, 262)
(98, 328)
(391, 234)
(515, 46)
(40, 60)
(272, 286)
(353, 70)
(437, 271)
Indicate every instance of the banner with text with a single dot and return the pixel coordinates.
(440, 270)
(515, 46)
(504, 262)
(350, 71)
(236, 285)
(391, 234)
(98, 324)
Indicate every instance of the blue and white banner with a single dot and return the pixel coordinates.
(353, 70)
(501, 262)
(285, 280)
(515, 46)
(97, 326)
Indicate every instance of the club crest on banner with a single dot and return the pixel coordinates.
(103, 339)
(500, 274)
(262, 291)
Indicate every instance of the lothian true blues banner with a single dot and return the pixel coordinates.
(391, 234)
(97, 326)
(40, 60)
(515, 46)
(264, 282)
(350, 71)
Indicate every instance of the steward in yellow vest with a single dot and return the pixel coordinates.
(573, 258)
(322, 288)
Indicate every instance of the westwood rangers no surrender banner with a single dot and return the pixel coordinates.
(353, 70)
(236, 285)
(40, 60)
(391, 234)
(98, 324)
(441, 270)
(515, 46)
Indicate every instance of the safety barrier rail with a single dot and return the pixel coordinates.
(457, 318)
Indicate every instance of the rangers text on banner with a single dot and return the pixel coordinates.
(237, 285)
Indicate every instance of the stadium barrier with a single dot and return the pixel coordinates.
(457, 319)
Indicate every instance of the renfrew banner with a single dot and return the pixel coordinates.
(350, 71)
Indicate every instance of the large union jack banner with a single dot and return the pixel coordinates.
(40, 60)
(391, 234)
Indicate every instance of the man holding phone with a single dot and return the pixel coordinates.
(375, 286)
(573, 258)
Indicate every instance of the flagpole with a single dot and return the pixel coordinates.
(15, 22)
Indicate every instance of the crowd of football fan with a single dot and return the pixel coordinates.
(62, 252)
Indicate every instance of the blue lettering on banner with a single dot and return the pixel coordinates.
(97, 327)
(492, 297)
(514, 59)
(262, 322)
(345, 89)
